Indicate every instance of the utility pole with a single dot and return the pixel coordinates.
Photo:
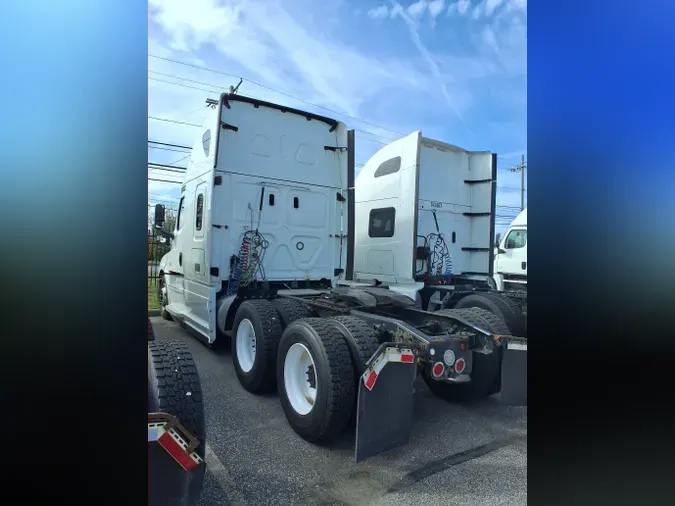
(521, 168)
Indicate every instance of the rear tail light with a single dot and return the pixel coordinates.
(438, 369)
(460, 365)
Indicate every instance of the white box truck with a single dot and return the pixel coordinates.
(511, 257)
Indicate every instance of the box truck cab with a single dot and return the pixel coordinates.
(511, 257)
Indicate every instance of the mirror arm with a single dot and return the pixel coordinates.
(163, 233)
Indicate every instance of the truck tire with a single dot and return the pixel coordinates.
(361, 341)
(315, 378)
(174, 388)
(290, 310)
(255, 338)
(499, 305)
(479, 316)
(486, 368)
(163, 299)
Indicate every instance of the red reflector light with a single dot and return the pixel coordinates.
(459, 365)
(181, 456)
(438, 369)
(462, 346)
(407, 358)
(370, 380)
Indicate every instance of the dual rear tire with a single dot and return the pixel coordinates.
(315, 378)
(499, 305)
(315, 363)
(255, 339)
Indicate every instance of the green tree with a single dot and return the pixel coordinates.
(160, 245)
(169, 221)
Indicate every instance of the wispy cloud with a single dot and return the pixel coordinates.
(463, 6)
(383, 64)
(415, 10)
(491, 6)
(285, 53)
(379, 12)
(431, 62)
(436, 7)
(477, 11)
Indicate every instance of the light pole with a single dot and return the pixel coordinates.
(521, 167)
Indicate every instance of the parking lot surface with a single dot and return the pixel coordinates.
(458, 455)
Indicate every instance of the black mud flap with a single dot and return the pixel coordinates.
(175, 470)
(385, 402)
(514, 374)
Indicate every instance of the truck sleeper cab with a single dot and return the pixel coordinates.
(425, 218)
(263, 198)
(274, 247)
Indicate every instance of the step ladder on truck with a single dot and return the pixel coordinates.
(176, 436)
(319, 279)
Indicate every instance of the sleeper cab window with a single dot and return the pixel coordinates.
(389, 167)
(206, 142)
(381, 222)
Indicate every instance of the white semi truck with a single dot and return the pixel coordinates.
(510, 271)
(321, 281)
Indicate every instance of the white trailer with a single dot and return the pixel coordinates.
(322, 281)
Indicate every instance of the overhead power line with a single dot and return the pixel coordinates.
(167, 120)
(180, 84)
(221, 88)
(177, 170)
(166, 149)
(175, 121)
(164, 180)
(273, 90)
(162, 196)
(170, 145)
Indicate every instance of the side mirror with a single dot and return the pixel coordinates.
(497, 240)
(159, 215)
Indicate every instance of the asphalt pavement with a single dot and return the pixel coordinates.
(458, 455)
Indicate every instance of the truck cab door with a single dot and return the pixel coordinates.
(172, 264)
(386, 212)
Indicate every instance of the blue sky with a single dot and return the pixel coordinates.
(457, 70)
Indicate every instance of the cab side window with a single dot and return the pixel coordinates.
(382, 222)
(516, 239)
(181, 211)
